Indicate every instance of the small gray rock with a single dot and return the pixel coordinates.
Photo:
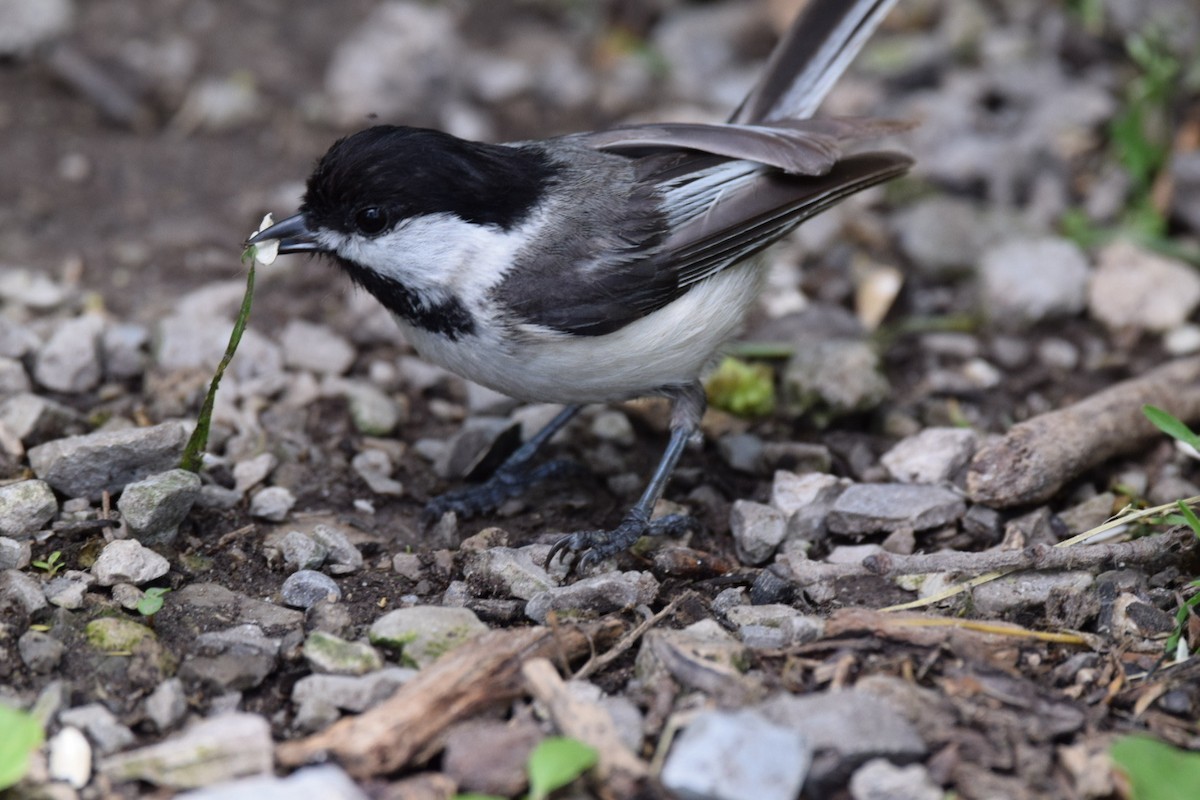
(14, 554)
(613, 426)
(13, 378)
(737, 755)
(217, 497)
(421, 634)
(194, 341)
(331, 654)
(792, 626)
(375, 468)
(1135, 288)
(743, 452)
(301, 551)
(234, 659)
(25, 507)
(272, 503)
(154, 507)
(69, 361)
(595, 595)
(832, 377)
(316, 348)
(941, 235)
(20, 587)
(35, 420)
(935, 455)
(89, 465)
(128, 561)
(845, 729)
(28, 287)
(349, 692)
(757, 530)
(1027, 280)
(17, 340)
(327, 782)
(210, 605)
(343, 556)
(250, 472)
(506, 572)
(67, 590)
(103, 729)
(218, 749)
(872, 507)
(791, 493)
(305, 588)
(166, 705)
(26, 26)
(41, 652)
(374, 412)
(124, 347)
(880, 779)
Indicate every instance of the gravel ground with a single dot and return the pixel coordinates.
(958, 359)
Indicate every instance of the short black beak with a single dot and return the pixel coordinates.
(293, 234)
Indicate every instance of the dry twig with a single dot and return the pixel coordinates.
(1139, 551)
(617, 766)
(406, 728)
(1038, 457)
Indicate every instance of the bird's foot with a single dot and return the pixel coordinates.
(507, 482)
(586, 549)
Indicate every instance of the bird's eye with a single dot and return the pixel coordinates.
(370, 220)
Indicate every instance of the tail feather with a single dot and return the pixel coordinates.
(822, 42)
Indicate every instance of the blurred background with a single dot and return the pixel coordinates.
(139, 143)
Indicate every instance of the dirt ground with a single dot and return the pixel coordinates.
(133, 209)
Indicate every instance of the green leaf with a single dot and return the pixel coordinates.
(152, 601)
(21, 736)
(1171, 426)
(556, 762)
(1156, 770)
(193, 453)
(1193, 521)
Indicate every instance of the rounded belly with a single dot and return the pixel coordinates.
(669, 347)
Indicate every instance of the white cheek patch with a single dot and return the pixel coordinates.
(433, 253)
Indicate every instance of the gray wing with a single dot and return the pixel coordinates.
(722, 212)
(796, 146)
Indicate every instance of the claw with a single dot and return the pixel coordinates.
(588, 548)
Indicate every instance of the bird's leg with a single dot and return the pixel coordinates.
(512, 478)
(592, 547)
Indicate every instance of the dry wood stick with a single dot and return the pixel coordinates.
(478, 674)
(1039, 456)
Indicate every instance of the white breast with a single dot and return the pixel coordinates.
(671, 346)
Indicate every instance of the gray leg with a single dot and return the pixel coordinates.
(592, 547)
(511, 479)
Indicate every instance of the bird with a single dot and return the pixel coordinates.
(598, 266)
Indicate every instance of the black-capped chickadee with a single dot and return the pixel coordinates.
(597, 266)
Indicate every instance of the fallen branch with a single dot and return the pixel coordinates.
(1139, 551)
(602, 660)
(1038, 457)
(406, 728)
(617, 766)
